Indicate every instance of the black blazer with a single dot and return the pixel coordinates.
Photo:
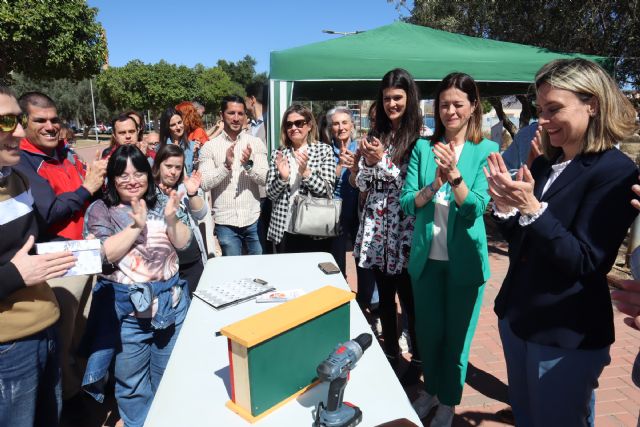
(555, 292)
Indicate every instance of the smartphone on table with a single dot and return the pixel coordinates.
(328, 268)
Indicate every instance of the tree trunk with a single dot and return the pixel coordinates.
(496, 102)
(5, 74)
(527, 110)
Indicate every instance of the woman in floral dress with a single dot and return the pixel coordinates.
(384, 238)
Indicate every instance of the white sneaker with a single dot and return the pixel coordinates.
(443, 417)
(424, 403)
(403, 342)
(377, 328)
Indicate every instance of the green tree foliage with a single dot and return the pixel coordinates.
(243, 72)
(73, 98)
(156, 86)
(212, 84)
(50, 39)
(599, 27)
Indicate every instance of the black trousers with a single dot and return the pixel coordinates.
(191, 273)
(388, 285)
(296, 243)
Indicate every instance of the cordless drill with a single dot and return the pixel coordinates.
(335, 370)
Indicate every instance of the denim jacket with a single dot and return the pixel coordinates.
(111, 303)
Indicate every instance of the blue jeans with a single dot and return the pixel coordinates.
(551, 386)
(142, 361)
(30, 389)
(231, 239)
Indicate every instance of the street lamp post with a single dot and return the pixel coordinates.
(93, 107)
(342, 33)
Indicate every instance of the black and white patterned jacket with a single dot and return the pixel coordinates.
(319, 184)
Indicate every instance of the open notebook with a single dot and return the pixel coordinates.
(222, 295)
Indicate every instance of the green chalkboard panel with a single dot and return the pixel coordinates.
(286, 363)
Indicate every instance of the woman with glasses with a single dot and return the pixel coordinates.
(299, 165)
(168, 173)
(564, 220)
(139, 301)
(384, 238)
(173, 131)
(446, 190)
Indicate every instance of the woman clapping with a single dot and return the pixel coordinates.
(564, 220)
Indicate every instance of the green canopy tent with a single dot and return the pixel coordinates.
(351, 67)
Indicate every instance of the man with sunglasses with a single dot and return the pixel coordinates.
(234, 166)
(29, 370)
(62, 189)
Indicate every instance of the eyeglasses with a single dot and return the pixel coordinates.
(9, 122)
(137, 176)
(297, 123)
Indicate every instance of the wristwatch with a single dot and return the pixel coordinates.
(456, 181)
(247, 166)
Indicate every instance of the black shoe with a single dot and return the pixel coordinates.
(412, 375)
(76, 411)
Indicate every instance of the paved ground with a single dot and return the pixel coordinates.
(485, 391)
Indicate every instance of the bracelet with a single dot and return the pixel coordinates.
(423, 195)
(430, 187)
(192, 195)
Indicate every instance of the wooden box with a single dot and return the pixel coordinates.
(273, 355)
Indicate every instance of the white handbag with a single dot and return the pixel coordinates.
(316, 216)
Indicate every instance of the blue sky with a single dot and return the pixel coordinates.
(199, 31)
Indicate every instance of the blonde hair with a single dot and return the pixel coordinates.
(308, 117)
(615, 117)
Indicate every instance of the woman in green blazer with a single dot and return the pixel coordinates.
(446, 190)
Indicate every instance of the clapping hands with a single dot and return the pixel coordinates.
(171, 208)
(138, 213)
(372, 151)
(536, 147)
(445, 156)
(192, 183)
(246, 154)
(282, 164)
(96, 171)
(508, 193)
(302, 158)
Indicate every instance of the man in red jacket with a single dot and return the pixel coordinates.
(62, 190)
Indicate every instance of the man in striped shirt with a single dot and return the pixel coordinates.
(234, 166)
(30, 393)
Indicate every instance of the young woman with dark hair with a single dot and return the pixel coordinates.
(140, 302)
(173, 131)
(446, 190)
(168, 174)
(383, 241)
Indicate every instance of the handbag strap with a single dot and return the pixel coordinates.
(305, 191)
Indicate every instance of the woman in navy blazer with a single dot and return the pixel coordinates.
(564, 221)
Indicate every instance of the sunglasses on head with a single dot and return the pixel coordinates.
(9, 122)
(297, 123)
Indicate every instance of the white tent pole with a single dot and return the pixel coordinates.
(93, 106)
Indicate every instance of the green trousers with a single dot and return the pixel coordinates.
(446, 318)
